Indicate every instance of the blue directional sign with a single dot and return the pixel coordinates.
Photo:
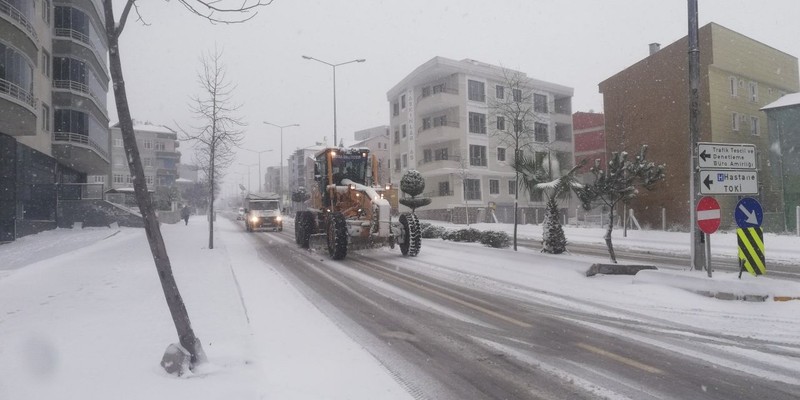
(748, 213)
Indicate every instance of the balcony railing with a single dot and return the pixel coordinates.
(82, 88)
(434, 160)
(451, 124)
(17, 92)
(429, 94)
(18, 17)
(439, 193)
(79, 138)
(82, 38)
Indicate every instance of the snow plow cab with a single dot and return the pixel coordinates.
(263, 211)
(349, 209)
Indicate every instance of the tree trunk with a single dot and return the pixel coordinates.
(607, 236)
(211, 203)
(174, 301)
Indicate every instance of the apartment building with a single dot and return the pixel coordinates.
(158, 151)
(299, 176)
(443, 125)
(648, 103)
(377, 141)
(783, 121)
(53, 118)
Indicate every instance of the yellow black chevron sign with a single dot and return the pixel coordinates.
(751, 250)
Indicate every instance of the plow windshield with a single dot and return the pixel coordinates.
(350, 166)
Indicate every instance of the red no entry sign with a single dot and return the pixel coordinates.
(708, 215)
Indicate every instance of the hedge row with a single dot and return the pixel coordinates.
(487, 238)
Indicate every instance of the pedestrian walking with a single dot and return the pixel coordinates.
(185, 212)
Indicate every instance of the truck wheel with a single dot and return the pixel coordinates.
(298, 227)
(411, 235)
(307, 227)
(337, 236)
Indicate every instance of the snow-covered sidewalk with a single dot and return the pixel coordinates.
(82, 316)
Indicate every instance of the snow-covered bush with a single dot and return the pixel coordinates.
(495, 239)
(412, 183)
(430, 231)
(463, 235)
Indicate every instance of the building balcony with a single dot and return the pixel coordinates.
(16, 27)
(17, 110)
(80, 152)
(438, 101)
(74, 43)
(452, 162)
(80, 89)
(170, 155)
(439, 134)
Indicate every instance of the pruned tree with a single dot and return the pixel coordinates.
(536, 176)
(217, 11)
(514, 115)
(218, 130)
(618, 183)
(413, 184)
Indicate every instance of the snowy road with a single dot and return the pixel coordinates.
(464, 321)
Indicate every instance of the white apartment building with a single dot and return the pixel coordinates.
(442, 125)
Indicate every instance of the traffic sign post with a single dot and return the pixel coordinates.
(708, 219)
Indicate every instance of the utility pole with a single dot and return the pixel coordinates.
(697, 245)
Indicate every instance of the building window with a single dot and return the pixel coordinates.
(477, 155)
(71, 121)
(501, 154)
(161, 146)
(426, 123)
(119, 178)
(148, 179)
(519, 126)
(517, 93)
(501, 123)
(397, 164)
(147, 162)
(405, 160)
(404, 129)
(512, 187)
(440, 154)
(427, 155)
(45, 117)
(46, 11)
(46, 65)
(440, 120)
(426, 91)
(540, 132)
(148, 144)
(540, 103)
(472, 189)
(733, 86)
(494, 186)
(396, 136)
(403, 102)
(117, 142)
(500, 92)
(753, 91)
(475, 91)
(735, 121)
(396, 109)
(99, 179)
(477, 122)
(754, 126)
(438, 88)
(444, 189)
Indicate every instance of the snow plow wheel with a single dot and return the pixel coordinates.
(304, 227)
(337, 236)
(411, 235)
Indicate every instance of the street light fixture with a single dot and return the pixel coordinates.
(280, 168)
(248, 174)
(260, 177)
(360, 60)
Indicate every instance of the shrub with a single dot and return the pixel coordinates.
(495, 239)
(463, 235)
(429, 231)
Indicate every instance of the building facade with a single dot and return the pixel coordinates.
(589, 134)
(783, 122)
(158, 151)
(377, 141)
(443, 125)
(299, 175)
(53, 117)
(648, 103)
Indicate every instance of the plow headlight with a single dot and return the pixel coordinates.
(253, 219)
(388, 187)
(279, 218)
(352, 187)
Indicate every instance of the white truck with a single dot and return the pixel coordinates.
(263, 211)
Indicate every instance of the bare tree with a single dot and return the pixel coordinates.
(218, 132)
(237, 12)
(514, 115)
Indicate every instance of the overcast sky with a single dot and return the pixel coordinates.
(575, 43)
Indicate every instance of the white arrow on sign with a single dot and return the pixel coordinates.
(751, 215)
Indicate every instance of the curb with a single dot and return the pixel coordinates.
(616, 269)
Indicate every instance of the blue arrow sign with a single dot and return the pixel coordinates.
(748, 213)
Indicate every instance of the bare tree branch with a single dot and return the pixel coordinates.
(209, 9)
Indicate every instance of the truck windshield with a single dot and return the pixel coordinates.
(353, 167)
(264, 205)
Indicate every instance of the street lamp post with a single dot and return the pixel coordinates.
(260, 177)
(360, 60)
(248, 174)
(280, 168)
